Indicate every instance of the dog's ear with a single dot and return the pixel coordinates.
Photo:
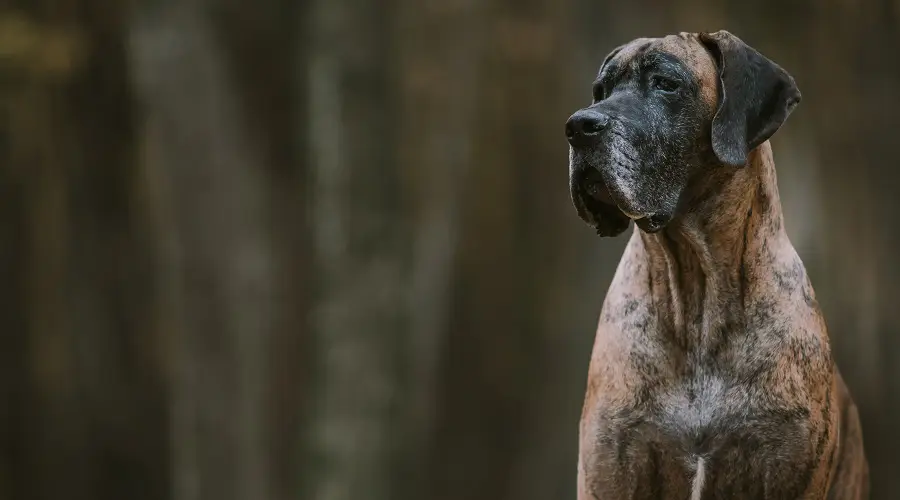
(756, 96)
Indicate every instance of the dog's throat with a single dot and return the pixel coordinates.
(695, 289)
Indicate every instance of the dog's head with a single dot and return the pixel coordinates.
(665, 111)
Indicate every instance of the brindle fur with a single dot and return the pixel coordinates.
(710, 344)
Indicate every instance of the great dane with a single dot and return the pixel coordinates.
(711, 374)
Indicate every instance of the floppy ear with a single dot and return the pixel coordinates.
(755, 97)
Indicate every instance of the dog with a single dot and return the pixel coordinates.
(711, 374)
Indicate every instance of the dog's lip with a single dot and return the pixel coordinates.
(600, 206)
(594, 206)
(632, 216)
(652, 223)
(597, 188)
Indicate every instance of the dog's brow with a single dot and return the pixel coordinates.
(612, 72)
(660, 60)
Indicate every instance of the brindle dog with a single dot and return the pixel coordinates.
(711, 374)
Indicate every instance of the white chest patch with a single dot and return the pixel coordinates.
(699, 479)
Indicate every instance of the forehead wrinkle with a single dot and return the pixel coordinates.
(612, 71)
(663, 60)
(625, 57)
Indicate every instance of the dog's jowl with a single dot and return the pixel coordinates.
(711, 374)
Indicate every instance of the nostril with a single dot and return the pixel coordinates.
(585, 124)
(570, 130)
(595, 123)
(592, 126)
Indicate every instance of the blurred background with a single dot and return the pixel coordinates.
(325, 250)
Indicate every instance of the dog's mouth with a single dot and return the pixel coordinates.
(595, 204)
(596, 189)
(597, 207)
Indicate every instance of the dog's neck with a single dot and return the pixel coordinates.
(697, 264)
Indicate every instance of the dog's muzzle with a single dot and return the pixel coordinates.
(586, 131)
(590, 194)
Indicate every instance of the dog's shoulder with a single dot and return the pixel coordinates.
(851, 469)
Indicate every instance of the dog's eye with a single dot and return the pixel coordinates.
(599, 93)
(664, 84)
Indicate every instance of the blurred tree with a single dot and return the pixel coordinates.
(82, 414)
(361, 255)
(436, 85)
(219, 125)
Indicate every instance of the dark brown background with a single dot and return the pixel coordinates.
(324, 249)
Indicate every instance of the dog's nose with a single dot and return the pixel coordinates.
(585, 126)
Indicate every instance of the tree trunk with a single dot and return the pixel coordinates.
(83, 401)
(224, 156)
(437, 82)
(360, 254)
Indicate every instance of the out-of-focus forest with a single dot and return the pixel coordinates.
(325, 250)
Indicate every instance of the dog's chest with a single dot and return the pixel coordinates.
(709, 428)
(693, 412)
(699, 414)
